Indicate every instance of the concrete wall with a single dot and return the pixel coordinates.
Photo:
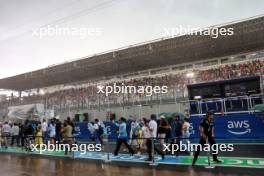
(137, 111)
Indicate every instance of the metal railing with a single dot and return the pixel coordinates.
(224, 106)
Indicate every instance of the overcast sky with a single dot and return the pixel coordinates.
(118, 23)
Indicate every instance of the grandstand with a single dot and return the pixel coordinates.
(70, 88)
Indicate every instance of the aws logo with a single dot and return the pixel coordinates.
(77, 131)
(238, 127)
(108, 130)
(191, 129)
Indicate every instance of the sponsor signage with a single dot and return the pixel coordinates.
(233, 126)
(228, 127)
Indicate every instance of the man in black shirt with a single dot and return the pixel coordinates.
(206, 129)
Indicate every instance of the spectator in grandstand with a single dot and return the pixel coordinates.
(84, 97)
(122, 137)
(206, 129)
(6, 132)
(162, 129)
(15, 134)
(67, 135)
(152, 127)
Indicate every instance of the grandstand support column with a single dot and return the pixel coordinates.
(69, 111)
(206, 107)
(99, 103)
(153, 161)
(199, 102)
(262, 86)
(140, 111)
(108, 103)
(160, 102)
(124, 113)
(224, 105)
(178, 105)
(249, 104)
(175, 98)
(45, 105)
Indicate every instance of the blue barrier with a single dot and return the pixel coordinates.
(232, 126)
(82, 132)
(227, 127)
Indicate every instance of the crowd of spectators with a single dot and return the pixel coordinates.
(38, 132)
(136, 134)
(176, 82)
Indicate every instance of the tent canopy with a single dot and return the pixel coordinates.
(259, 108)
(24, 112)
(169, 115)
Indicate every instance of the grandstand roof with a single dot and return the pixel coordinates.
(248, 37)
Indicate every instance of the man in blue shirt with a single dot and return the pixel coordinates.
(122, 137)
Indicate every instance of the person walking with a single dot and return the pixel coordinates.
(122, 137)
(162, 129)
(6, 132)
(206, 129)
(67, 136)
(152, 127)
(15, 133)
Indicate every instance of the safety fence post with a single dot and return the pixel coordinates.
(70, 150)
(107, 159)
(209, 165)
(153, 162)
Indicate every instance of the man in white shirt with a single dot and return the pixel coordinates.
(44, 126)
(152, 126)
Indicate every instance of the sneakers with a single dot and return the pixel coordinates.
(217, 161)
